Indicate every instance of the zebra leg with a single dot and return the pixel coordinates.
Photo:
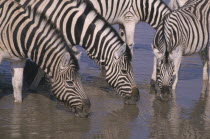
(153, 78)
(177, 63)
(205, 61)
(37, 79)
(129, 32)
(17, 79)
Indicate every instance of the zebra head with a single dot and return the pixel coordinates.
(67, 86)
(165, 75)
(119, 74)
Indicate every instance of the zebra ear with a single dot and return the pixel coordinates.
(175, 53)
(157, 53)
(131, 48)
(120, 51)
(65, 60)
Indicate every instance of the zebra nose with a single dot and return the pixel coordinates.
(85, 110)
(133, 97)
(166, 93)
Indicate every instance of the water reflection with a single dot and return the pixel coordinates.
(198, 123)
(165, 119)
(31, 120)
(170, 120)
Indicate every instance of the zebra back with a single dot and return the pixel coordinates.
(118, 11)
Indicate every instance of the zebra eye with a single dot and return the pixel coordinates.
(124, 71)
(69, 82)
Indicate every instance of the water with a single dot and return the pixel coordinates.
(41, 116)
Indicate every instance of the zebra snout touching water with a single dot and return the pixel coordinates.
(119, 75)
(164, 74)
(25, 35)
(67, 86)
(183, 32)
(82, 25)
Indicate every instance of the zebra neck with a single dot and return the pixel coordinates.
(152, 11)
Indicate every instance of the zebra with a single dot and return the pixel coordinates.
(183, 32)
(81, 25)
(24, 35)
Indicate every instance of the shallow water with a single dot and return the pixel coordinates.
(41, 116)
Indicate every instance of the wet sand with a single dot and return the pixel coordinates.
(41, 116)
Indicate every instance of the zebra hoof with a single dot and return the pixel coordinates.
(133, 97)
(18, 101)
(84, 111)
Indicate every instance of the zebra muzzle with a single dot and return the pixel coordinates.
(166, 93)
(84, 111)
(132, 98)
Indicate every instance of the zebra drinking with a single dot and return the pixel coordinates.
(23, 35)
(81, 25)
(183, 32)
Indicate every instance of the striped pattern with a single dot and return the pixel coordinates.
(118, 11)
(127, 13)
(82, 25)
(24, 34)
(164, 72)
(183, 32)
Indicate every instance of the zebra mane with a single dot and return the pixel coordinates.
(101, 18)
(160, 39)
(166, 50)
(89, 4)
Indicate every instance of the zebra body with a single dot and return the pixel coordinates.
(128, 13)
(25, 35)
(183, 32)
(81, 25)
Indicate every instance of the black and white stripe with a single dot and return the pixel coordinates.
(81, 25)
(23, 35)
(183, 32)
(127, 13)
